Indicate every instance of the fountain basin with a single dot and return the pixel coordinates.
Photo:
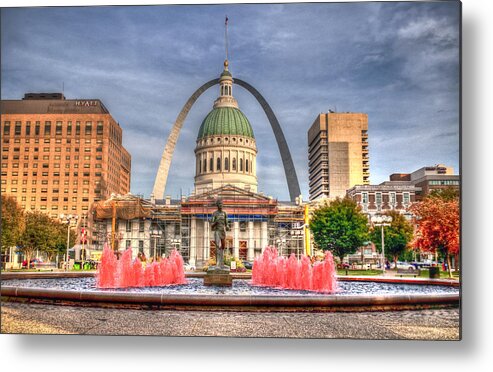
(357, 294)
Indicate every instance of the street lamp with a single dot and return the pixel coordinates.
(382, 221)
(280, 244)
(155, 233)
(68, 218)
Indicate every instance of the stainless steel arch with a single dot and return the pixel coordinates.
(164, 165)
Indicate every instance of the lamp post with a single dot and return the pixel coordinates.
(382, 221)
(280, 244)
(176, 244)
(155, 233)
(68, 218)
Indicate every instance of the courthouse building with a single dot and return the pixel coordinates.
(60, 155)
(225, 168)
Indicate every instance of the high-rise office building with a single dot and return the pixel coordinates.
(337, 154)
(60, 155)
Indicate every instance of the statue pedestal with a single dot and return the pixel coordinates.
(218, 277)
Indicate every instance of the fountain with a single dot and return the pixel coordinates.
(276, 284)
(125, 273)
(272, 270)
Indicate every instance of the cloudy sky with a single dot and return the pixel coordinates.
(398, 62)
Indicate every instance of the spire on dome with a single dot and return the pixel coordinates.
(226, 98)
(226, 41)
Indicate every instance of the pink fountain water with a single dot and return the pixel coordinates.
(272, 270)
(124, 273)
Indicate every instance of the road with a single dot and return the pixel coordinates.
(436, 324)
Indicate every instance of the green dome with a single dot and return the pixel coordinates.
(225, 120)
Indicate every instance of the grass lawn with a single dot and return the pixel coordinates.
(343, 272)
(424, 273)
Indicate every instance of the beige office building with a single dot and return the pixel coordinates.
(338, 156)
(60, 155)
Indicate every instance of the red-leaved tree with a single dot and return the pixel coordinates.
(438, 227)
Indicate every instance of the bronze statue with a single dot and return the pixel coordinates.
(219, 225)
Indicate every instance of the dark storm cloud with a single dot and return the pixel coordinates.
(398, 62)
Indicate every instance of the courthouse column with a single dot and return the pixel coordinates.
(251, 237)
(236, 239)
(193, 243)
(206, 240)
(263, 235)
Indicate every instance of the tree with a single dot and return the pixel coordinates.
(397, 236)
(438, 226)
(12, 222)
(340, 227)
(447, 194)
(59, 240)
(42, 233)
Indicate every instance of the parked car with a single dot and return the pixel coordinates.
(403, 266)
(188, 267)
(248, 265)
(344, 265)
(418, 265)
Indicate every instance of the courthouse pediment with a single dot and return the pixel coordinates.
(235, 200)
(231, 193)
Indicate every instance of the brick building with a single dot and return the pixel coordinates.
(427, 179)
(60, 155)
(377, 199)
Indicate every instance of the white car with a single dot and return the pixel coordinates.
(403, 266)
(188, 267)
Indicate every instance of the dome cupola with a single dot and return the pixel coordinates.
(226, 150)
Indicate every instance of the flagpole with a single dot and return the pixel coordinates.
(226, 35)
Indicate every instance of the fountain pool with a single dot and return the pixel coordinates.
(352, 294)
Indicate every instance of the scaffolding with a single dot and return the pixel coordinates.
(256, 221)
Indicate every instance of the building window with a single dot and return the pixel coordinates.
(141, 246)
(47, 131)
(6, 128)
(405, 198)
(141, 226)
(17, 130)
(128, 244)
(100, 127)
(128, 226)
(218, 164)
(226, 164)
(211, 164)
(205, 165)
(58, 128)
(77, 128)
(392, 198)
(69, 127)
(364, 198)
(378, 198)
(241, 165)
(88, 130)
(246, 165)
(37, 128)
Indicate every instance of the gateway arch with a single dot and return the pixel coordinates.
(287, 161)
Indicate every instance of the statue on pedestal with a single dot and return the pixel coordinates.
(219, 225)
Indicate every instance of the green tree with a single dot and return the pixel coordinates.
(12, 223)
(397, 236)
(42, 233)
(59, 246)
(446, 194)
(340, 227)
